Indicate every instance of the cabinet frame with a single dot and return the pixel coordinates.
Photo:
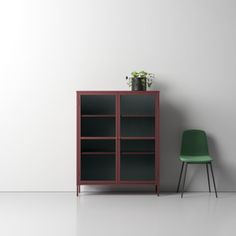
(118, 138)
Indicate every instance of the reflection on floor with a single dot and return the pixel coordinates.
(113, 214)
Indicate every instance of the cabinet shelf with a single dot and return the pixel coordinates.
(137, 153)
(98, 153)
(137, 138)
(98, 138)
(98, 116)
(98, 182)
(137, 116)
(139, 182)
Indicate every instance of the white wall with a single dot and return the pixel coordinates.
(51, 48)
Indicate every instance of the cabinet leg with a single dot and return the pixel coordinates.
(157, 190)
(78, 190)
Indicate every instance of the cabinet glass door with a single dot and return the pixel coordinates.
(98, 137)
(137, 131)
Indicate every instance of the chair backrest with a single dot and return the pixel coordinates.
(194, 142)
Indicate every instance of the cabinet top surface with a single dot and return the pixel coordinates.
(117, 92)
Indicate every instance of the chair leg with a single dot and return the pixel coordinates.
(209, 185)
(186, 166)
(180, 177)
(213, 179)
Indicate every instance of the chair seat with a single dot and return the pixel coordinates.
(196, 159)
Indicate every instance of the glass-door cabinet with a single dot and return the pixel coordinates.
(118, 138)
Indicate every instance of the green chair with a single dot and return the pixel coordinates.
(194, 150)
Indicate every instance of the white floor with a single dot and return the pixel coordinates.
(62, 214)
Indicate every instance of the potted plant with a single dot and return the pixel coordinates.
(139, 81)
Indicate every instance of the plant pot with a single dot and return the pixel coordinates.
(139, 84)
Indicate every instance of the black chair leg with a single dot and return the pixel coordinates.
(186, 166)
(213, 179)
(209, 185)
(180, 177)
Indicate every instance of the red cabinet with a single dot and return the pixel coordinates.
(118, 138)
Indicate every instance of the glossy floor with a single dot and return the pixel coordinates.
(62, 214)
